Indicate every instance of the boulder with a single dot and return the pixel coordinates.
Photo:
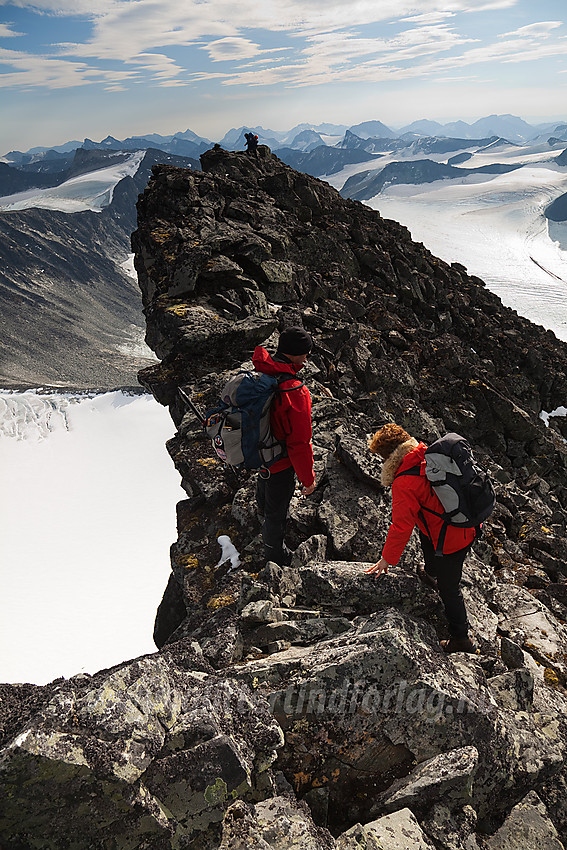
(530, 624)
(279, 823)
(527, 825)
(147, 755)
(359, 710)
(451, 829)
(446, 778)
(398, 831)
(513, 690)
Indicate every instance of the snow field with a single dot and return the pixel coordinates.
(87, 516)
(493, 224)
(92, 191)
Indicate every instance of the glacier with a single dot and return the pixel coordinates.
(494, 225)
(91, 191)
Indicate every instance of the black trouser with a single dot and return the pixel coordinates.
(448, 569)
(273, 495)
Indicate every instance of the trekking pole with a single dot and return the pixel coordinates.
(183, 395)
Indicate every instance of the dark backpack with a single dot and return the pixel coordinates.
(464, 490)
(239, 427)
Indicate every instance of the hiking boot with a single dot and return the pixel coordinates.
(456, 644)
(426, 579)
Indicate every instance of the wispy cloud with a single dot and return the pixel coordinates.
(490, 6)
(31, 71)
(541, 28)
(429, 18)
(525, 44)
(64, 7)
(7, 32)
(172, 44)
(233, 48)
(161, 66)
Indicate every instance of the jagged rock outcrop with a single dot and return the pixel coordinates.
(146, 755)
(367, 734)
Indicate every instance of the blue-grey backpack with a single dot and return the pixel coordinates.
(463, 488)
(239, 427)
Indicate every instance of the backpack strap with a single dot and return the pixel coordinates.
(416, 470)
(413, 470)
(283, 377)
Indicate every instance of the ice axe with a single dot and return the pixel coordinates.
(187, 399)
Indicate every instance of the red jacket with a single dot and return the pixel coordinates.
(409, 493)
(290, 418)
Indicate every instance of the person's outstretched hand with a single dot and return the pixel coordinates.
(306, 491)
(379, 568)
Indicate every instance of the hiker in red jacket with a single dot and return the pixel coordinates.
(291, 424)
(410, 493)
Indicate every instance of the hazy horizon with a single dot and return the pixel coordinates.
(68, 71)
(282, 129)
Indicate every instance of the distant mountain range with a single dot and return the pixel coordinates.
(70, 311)
(302, 136)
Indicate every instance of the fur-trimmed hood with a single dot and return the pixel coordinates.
(392, 464)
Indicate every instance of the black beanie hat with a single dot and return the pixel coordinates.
(295, 341)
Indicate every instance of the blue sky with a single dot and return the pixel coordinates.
(71, 69)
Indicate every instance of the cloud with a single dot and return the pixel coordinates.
(31, 71)
(321, 42)
(526, 44)
(6, 32)
(157, 64)
(408, 44)
(429, 18)
(541, 28)
(163, 22)
(232, 48)
(344, 57)
(491, 6)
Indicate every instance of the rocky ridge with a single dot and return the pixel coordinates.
(70, 311)
(311, 706)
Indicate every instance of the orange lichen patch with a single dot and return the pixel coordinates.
(220, 601)
(180, 310)
(188, 562)
(208, 462)
(300, 779)
(531, 648)
(161, 235)
(550, 677)
(324, 780)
